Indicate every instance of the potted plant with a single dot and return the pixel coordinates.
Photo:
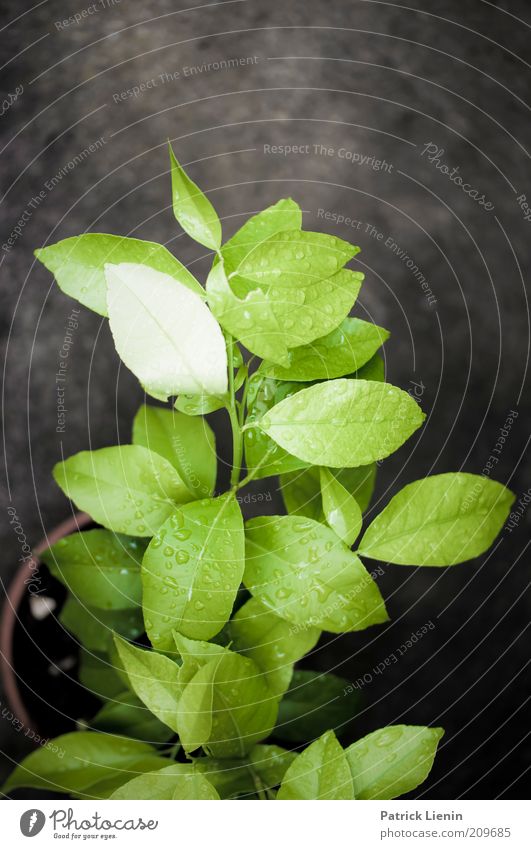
(193, 619)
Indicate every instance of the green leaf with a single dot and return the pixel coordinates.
(262, 395)
(293, 259)
(301, 493)
(79, 761)
(177, 781)
(164, 333)
(188, 444)
(227, 707)
(373, 370)
(194, 654)
(262, 770)
(270, 764)
(343, 422)
(301, 490)
(100, 568)
(359, 482)
(439, 521)
(192, 209)
(301, 570)
(232, 778)
(105, 788)
(155, 680)
(94, 627)
(195, 786)
(252, 319)
(392, 761)
(79, 263)
(258, 633)
(340, 508)
(270, 319)
(320, 772)
(126, 488)
(283, 215)
(314, 703)
(98, 674)
(192, 570)
(126, 714)
(194, 716)
(341, 352)
(199, 405)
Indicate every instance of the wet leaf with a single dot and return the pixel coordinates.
(154, 678)
(192, 570)
(164, 333)
(301, 490)
(289, 290)
(126, 714)
(100, 568)
(392, 761)
(283, 215)
(263, 394)
(340, 508)
(94, 627)
(126, 488)
(260, 634)
(439, 521)
(320, 772)
(343, 422)
(192, 208)
(82, 759)
(188, 444)
(301, 570)
(226, 708)
(79, 263)
(343, 351)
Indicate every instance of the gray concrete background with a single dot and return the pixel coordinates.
(376, 79)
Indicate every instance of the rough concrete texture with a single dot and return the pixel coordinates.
(370, 80)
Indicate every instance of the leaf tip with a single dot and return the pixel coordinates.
(119, 642)
(173, 158)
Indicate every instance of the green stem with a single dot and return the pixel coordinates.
(244, 481)
(260, 789)
(232, 409)
(237, 446)
(172, 751)
(243, 402)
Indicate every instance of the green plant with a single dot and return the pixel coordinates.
(230, 608)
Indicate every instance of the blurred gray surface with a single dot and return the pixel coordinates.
(225, 82)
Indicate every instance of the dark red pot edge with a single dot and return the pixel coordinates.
(14, 595)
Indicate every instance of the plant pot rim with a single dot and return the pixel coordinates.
(17, 588)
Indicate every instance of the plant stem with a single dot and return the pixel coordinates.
(172, 751)
(237, 446)
(260, 789)
(232, 409)
(243, 402)
(244, 481)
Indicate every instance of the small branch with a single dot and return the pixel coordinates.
(232, 409)
(243, 402)
(255, 471)
(237, 446)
